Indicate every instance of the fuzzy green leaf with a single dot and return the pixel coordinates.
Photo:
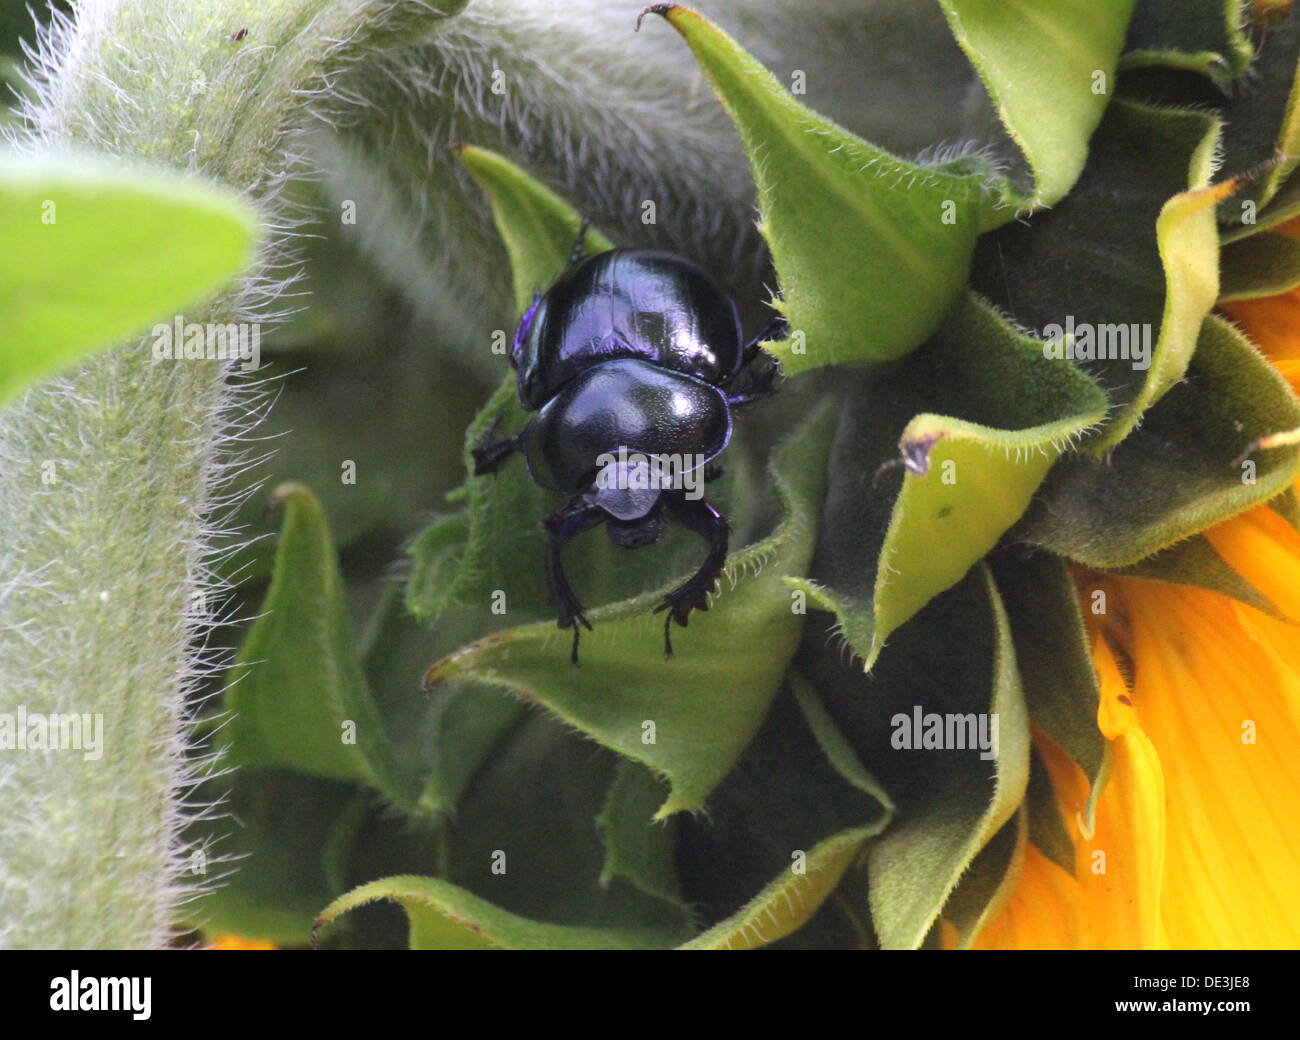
(1131, 253)
(444, 916)
(1052, 653)
(276, 832)
(1179, 473)
(1194, 561)
(982, 414)
(989, 881)
(706, 702)
(298, 695)
(1262, 265)
(636, 847)
(871, 250)
(1048, 66)
(1047, 827)
(1205, 36)
(1263, 123)
(787, 823)
(954, 658)
(92, 253)
(537, 226)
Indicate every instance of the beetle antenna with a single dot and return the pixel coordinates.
(579, 244)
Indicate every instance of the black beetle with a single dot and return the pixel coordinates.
(633, 361)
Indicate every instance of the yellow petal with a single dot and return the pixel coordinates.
(1044, 912)
(236, 942)
(1112, 901)
(1265, 550)
(1204, 689)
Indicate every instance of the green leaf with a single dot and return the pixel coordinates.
(1131, 250)
(470, 720)
(298, 696)
(863, 241)
(444, 916)
(954, 658)
(706, 702)
(1263, 265)
(1047, 827)
(780, 832)
(1205, 36)
(525, 838)
(989, 881)
(789, 901)
(1262, 124)
(527, 835)
(267, 852)
(1040, 62)
(636, 847)
(1282, 207)
(538, 227)
(982, 415)
(1054, 659)
(1179, 473)
(94, 251)
(1194, 561)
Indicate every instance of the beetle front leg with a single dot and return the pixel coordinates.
(758, 381)
(776, 327)
(562, 525)
(693, 594)
(489, 454)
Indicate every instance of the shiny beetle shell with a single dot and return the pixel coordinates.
(628, 303)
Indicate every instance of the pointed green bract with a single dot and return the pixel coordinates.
(1181, 471)
(1194, 561)
(95, 250)
(1205, 36)
(298, 697)
(1053, 656)
(1047, 827)
(688, 717)
(1049, 67)
(1130, 273)
(790, 900)
(954, 659)
(989, 881)
(1262, 132)
(537, 226)
(977, 415)
(1263, 265)
(871, 250)
(636, 847)
(967, 483)
(785, 853)
(446, 917)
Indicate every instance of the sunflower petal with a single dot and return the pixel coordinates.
(1222, 716)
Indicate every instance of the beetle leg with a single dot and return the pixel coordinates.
(489, 454)
(776, 328)
(580, 244)
(693, 594)
(758, 381)
(565, 523)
